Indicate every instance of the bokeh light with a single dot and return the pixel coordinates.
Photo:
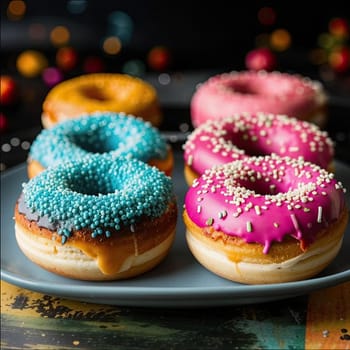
(164, 79)
(3, 122)
(280, 39)
(134, 67)
(8, 90)
(16, 9)
(93, 64)
(59, 36)
(267, 16)
(339, 59)
(326, 40)
(66, 58)
(112, 45)
(52, 76)
(261, 58)
(30, 63)
(159, 58)
(120, 25)
(339, 27)
(76, 6)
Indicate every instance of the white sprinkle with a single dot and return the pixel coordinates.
(319, 215)
(222, 214)
(294, 149)
(249, 226)
(199, 208)
(257, 210)
(190, 160)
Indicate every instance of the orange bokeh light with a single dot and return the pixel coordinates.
(59, 35)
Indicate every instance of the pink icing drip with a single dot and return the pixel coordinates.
(232, 138)
(248, 91)
(241, 190)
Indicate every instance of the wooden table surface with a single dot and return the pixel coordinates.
(32, 320)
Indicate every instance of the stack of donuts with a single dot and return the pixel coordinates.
(263, 204)
(99, 203)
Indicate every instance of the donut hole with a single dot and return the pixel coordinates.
(242, 142)
(93, 186)
(262, 185)
(101, 140)
(243, 88)
(94, 93)
(262, 188)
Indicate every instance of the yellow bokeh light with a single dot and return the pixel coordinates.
(280, 40)
(31, 63)
(16, 9)
(59, 35)
(112, 45)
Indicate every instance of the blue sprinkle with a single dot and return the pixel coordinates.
(116, 134)
(72, 198)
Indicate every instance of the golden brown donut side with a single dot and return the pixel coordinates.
(235, 251)
(127, 253)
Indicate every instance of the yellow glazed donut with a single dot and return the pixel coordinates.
(107, 92)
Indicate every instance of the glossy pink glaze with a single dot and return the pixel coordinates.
(242, 135)
(250, 91)
(264, 199)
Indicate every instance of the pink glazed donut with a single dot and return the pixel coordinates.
(259, 91)
(243, 135)
(265, 219)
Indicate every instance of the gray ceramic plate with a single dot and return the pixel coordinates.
(179, 281)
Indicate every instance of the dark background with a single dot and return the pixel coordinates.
(214, 34)
(202, 39)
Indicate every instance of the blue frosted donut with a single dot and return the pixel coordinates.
(115, 133)
(108, 211)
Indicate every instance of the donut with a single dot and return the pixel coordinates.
(97, 218)
(259, 91)
(265, 219)
(116, 134)
(244, 135)
(96, 92)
